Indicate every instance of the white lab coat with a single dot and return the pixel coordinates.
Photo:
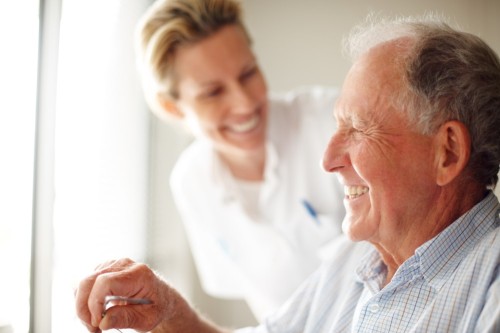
(263, 256)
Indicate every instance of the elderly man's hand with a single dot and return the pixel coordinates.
(124, 278)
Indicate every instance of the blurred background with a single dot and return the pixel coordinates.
(85, 166)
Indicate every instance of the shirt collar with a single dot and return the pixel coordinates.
(372, 270)
(436, 259)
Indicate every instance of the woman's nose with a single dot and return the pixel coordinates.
(242, 100)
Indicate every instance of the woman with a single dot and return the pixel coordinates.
(256, 208)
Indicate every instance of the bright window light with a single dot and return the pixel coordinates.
(18, 68)
(101, 140)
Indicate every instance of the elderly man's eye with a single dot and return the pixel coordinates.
(355, 130)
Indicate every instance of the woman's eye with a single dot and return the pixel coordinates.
(248, 74)
(212, 93)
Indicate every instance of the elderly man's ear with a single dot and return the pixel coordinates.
(170, 107)
(453, 151)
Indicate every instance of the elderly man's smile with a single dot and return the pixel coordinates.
(353, 192)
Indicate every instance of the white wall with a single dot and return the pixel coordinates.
(297, 43)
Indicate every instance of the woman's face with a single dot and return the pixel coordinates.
(222, 93)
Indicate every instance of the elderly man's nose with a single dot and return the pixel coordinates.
(334, 157)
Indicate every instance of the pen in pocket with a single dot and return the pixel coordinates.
(311, 211)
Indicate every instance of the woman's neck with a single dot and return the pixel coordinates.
(248, 166)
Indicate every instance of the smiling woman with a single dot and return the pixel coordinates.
(222, 95)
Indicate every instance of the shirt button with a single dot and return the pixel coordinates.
(373, 307)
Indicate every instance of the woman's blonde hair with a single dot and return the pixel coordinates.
(169, 24)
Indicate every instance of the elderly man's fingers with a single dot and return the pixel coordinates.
(130, 316)
(113, 265)
(123, 278)
(81, 300)
(83, 294)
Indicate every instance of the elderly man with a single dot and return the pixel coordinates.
(418, 151)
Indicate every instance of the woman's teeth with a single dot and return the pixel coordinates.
(246, 126)
(355, 191)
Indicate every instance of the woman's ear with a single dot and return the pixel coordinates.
(454, 146)
(169, 106)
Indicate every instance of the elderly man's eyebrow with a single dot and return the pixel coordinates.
(346, 116)
(341, 114)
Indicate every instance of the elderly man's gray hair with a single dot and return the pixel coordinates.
(449, 75)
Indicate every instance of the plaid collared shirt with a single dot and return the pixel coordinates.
(451, 284)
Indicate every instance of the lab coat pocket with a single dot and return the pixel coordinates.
(313, 229)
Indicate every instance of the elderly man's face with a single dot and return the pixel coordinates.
(385, 166)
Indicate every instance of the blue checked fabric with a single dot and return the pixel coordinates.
(451, 284)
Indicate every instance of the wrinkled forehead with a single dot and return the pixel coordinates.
(373, 83)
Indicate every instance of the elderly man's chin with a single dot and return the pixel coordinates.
(355, 228)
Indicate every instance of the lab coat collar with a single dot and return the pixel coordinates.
(225, 182)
